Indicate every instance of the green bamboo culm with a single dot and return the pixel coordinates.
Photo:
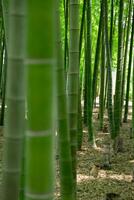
(85, 111)
(1, 64)
(3, 84)
(4, 37)
(15, 101)
(2, 45)
(64, 6)
(111, 47)
(109, 72)
(5, 13)
(82, 28)
(133, 88)
(80, 128)
(102, 81)
(97, 57)
(133, 101)
(111, 26)
(40, 62)
(65, 161)
(129, 72)
(89, 75)
(126, 56)
(73, 79)
(66, 50)
(117, 100)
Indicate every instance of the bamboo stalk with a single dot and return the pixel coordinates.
(15, 101)
(40, 62)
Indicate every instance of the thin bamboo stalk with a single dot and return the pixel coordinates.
(73, 79)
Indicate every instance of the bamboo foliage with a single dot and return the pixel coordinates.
(15, 101)
(40, 61)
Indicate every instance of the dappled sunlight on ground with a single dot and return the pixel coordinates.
(118, 177)
(131, 161)
(102, 174)
(82, 177)
(95, 183)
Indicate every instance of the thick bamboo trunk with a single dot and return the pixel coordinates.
(65, 161)
(15, 101)
(40, 62)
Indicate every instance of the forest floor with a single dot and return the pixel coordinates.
(95, 183)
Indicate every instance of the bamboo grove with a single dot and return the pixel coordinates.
(58, 60)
